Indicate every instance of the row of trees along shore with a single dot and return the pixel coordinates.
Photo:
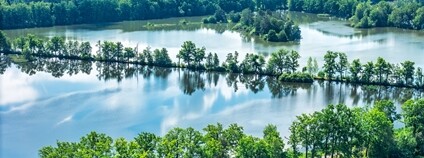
(335, 131)
(14, 14)
(282, 63)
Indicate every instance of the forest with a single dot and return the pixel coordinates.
(15, 14)
(282, 63)
(336, 131)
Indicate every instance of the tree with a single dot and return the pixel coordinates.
(233, 134)
(161, 57)
(388, 107)
(342, 64)
(96, 145)
(215, 60)
(379, 136)
(405, 143)
(209, 61)
(148, 142)
(246, 148)
(368, 72)
(147, 54)
(418, 21)
(199, 56)
(419, 77)
(85, 50)
(413, 115)
(231, 63)
(129, 53)
(274, 143)
(382, 69)
(56, 45)
(330, 64)
(408, 71)
(355, 70)
(293, 62)
(312, 66)
(277, 63)
(4, 42)
(188, 49)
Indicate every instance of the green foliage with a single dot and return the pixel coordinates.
(333, 131)
(4, 42)
(413, 114)
(296, 77)
(330, 64)
(336, 64)
(252, 63)
(271, 26)
(161, 57)
(402, 14)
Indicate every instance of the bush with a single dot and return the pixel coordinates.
(209, 20)
(296, 77)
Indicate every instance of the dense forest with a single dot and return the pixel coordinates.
(41, 13)
(282, 63)
(336, 131)
(362, 13)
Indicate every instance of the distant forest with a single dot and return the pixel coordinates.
(361, 13)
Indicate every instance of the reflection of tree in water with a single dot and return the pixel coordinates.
(232, 81)
(57, 68)
(191, 81)
(4, 63)
(118, 71)
(279, 90)
(212, 78)
(255, 83)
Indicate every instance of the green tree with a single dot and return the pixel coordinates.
(413, 115)
(330, 64)
(382, 70)
(274, 143)
(148, 142)
(293, 61)
(277, 63)
(342, 64)
(368, 72)
(161, 57)
(4, 42)
(128, 53)
(96, 145)
(188, 49)
(408, 71)
(379, 137)
(418, 21)
(389, 108)
(355, 70)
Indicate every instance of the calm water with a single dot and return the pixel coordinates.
(45, 101)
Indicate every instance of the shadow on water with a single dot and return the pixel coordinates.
(193, 81)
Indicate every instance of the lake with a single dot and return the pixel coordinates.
(49, 100)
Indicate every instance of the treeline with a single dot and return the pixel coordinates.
(360, 132)
(337, 67)
(32, 13)
(282, 63)
(336, 131)
(270, 26)
(402, 14)
(407, 14)
(214, 141)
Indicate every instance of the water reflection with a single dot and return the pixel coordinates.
(191, 81)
